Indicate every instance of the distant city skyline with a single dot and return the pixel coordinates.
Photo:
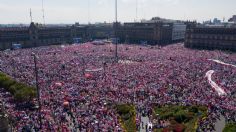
(84, 11)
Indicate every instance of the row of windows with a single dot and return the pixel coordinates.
(214, 31)
(39, 41)
(211, 46)
(212, 42)
(220, 37)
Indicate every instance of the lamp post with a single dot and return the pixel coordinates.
(134, 89)
(14, 68)
(116, 39)
(104, 70)
(37, 86)
(83, 69)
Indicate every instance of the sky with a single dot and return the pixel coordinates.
(84, 11)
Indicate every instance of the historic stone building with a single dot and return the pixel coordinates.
(100, 31)
(151, 32)
(204, 37)
(178, 32)
(233, 19)
(36, 35)
(13, 35)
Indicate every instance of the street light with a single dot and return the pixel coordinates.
(116, 21)
(83, 68)
(104, 70)
(37, 86)
(134, 90)
(14, 68)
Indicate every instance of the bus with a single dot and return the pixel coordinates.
(77, 40)
(16, 46)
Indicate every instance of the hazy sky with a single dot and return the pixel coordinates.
(71, 11)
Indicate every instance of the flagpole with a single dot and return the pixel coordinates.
(31, 20)
(43, 12)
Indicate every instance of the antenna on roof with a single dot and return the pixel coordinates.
(31, 20)
(43, 12)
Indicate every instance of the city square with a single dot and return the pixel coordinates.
(79, 84)
(117, 66)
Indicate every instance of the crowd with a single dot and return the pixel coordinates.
(79, 84)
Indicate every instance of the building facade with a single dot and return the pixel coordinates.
(13, 35)
(100, 31)
(233, 19)
(178, 32)
(36, 35)
(203, 37)
(151, 32)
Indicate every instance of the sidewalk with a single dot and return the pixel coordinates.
(4, 127)
(145, 121)
(220, 124)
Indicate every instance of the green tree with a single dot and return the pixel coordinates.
(230, 127)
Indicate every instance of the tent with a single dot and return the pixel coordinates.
(88, 76)
(58, 84)
(66, 103)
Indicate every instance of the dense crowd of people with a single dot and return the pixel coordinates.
(80, 83)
